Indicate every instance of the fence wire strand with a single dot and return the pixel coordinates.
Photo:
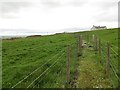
(44, 72)
(47, 74)
(37, 69)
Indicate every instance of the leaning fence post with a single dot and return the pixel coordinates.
(107, 59)
(68, 64)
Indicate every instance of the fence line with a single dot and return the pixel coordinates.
(111, 44)
(114, 51)
(105, 53)
(42, 78)
(111, 49)
(45, 76)
(104, 57)
(102, 47)
(113, 65)
(115, 72)
(116, 46)
(36, 69)
(44, 71)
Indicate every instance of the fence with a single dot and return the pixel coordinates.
(53, 72)
(109, 58)
(61, 69)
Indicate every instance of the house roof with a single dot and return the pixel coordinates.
(99, 26)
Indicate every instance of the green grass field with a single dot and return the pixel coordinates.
(22, 56)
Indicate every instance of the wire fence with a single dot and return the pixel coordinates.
(54, 72)
(33, 72)
(109, 58)
(44, 72)
(61, 70)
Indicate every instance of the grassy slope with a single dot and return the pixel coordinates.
(22, 56)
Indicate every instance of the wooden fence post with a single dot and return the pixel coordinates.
(99, 46)
(107, 59)
(80, 41)
(68, 64)
(78, 47)
(88, 38)
(96, 44)
(93, 38)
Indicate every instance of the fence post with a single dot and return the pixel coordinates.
(93, 40)
(79, 44)
(99, 46)
(81, 41)
(107, 59)
(96, 44)
(88, 38)
(68, 64)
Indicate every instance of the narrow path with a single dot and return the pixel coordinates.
(91, 71)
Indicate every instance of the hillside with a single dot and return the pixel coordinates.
(35, 62)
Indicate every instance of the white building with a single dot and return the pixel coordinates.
(98, 27)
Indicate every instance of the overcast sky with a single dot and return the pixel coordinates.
(32, 16)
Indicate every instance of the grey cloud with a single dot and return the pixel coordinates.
(15, 30)
(119, 14)
(12, 7)
(107, 16)
(59, 3)
(105, 5)
(51, 3)
(78, 2)
(105, 10)
(107, 19)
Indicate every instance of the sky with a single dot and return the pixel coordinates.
(51, 16)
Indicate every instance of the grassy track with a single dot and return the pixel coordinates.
(91, 71)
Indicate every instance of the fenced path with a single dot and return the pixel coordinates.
(82, 64)
(91, 71)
